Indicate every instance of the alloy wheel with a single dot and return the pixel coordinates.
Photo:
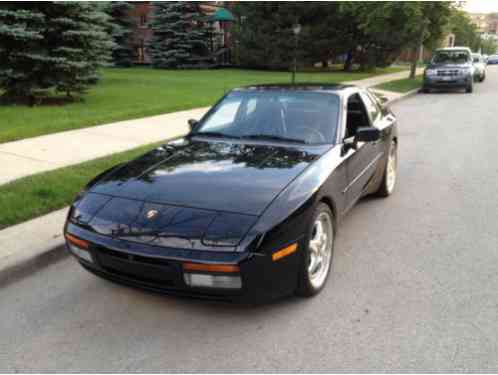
(320, 250)
(392, 164)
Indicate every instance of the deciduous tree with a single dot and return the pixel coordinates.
(370, 33)
(466, 33)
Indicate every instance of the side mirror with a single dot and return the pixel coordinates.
(367, 134)
(192, 123)
(382, 98)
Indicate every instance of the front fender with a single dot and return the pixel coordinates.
(323, 179)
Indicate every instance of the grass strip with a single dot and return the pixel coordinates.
(39, 194)
(401, 85)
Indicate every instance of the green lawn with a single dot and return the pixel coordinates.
(137, 92)
(39, 194)
(402, 85)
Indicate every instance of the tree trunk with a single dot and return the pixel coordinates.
(416, 53)
(348, 64)
(413, 66)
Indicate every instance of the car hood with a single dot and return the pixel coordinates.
(189, 194)
(448, 66)
(221, 176)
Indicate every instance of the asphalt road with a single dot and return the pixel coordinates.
(414, 283)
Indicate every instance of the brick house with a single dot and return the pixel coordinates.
(487, 24)
(217, 15)
(142, 33)
(426, 54)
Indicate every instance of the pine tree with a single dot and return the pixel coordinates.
(180, 40)
(51, 45)
(21, 54)
(121, 29)
(78, 41)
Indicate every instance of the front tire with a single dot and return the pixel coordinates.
(317, 259)
(390, 172)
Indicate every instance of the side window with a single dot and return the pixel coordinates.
(356, 116)
(372, 108)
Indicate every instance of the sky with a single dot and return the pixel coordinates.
(482, 6)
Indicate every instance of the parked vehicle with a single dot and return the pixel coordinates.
(450, 68)
(246, 206)
(493, 59)
(479, 67)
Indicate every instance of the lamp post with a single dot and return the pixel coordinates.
(296, 29)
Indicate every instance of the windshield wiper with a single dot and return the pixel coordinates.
(273, 138)
(215, 134)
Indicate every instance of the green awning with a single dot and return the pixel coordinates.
(222, 14)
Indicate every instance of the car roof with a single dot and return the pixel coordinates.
(449, 49)
(302, 86)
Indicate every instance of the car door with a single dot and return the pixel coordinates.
(361, 160)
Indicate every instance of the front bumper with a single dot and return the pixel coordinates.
(435, 82)
(160, 269)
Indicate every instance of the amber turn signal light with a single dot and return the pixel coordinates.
(77, 241)
(284, 252)
(222, 268)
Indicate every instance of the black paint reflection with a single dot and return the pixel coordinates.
(225, 176)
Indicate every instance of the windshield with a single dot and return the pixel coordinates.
(451, 57)
(298, 116)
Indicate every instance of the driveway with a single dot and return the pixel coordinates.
(414, 284)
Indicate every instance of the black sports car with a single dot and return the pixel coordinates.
(247, 205)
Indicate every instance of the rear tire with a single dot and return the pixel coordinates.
(390, 172)
(483, 77)
(318, 254)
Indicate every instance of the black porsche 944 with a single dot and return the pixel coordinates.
(246, 206)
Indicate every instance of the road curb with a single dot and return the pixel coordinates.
(31, 265)
(404, 96)
(31, 246)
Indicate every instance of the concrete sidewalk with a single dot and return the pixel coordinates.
(377, 80)
(34, 155)
(28, 245)
(40, 154)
